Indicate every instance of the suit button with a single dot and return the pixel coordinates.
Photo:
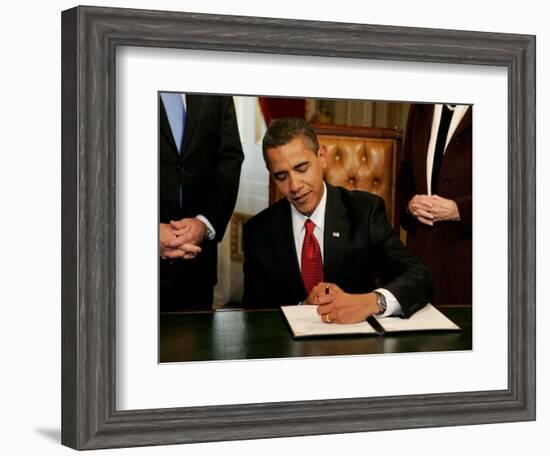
(179, 166)
(447, 180)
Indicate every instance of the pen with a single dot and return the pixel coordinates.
(327, 289)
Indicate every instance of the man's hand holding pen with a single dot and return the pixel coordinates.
(336, 306)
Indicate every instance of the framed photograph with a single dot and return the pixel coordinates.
(114, 63)
(360, 148)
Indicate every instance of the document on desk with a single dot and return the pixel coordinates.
(304, 322)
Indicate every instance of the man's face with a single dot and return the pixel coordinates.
(298, 173)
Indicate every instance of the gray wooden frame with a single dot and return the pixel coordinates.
(89, 39)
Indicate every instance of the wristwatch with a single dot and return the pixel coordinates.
(208, 234)
(381, 302)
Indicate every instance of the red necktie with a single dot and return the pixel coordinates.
(312, 263)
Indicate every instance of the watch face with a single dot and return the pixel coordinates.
(382, 302)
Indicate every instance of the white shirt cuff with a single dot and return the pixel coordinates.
(211, 232)
(393, 308)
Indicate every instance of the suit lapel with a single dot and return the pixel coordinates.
(286, 259)
(193, 106)
(465, 122)
(336, 234)
(463, 126)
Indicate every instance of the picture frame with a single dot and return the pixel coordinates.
(90, 36)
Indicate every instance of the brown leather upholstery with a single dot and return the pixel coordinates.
(361, 158)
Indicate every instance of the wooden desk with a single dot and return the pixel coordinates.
(254, 334)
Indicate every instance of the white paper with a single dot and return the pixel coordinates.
(305, 321)
(426, 319)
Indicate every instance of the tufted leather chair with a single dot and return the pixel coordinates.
(360, 158)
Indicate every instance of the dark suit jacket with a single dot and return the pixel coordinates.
(208, 172)
(365, 248)
(445, 248)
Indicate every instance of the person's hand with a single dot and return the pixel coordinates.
(171, 246)
(340, 307)
(187, 231)
(420, 207)
(185, 251)
(314, 294)
(166, 234)
(444, 209)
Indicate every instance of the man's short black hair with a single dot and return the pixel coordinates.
(284, 130)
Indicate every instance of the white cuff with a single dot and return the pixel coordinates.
(210, 232)
(393, 308)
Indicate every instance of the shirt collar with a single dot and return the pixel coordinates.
(317, 217)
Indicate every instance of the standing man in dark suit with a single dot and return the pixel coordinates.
(200, 162)
(434, 195)
(325, 245)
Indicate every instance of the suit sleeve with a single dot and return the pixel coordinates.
(222, 197)
(403, 274)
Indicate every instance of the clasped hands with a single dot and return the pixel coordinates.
(337, 306)
(430, 209)
(181, 238)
